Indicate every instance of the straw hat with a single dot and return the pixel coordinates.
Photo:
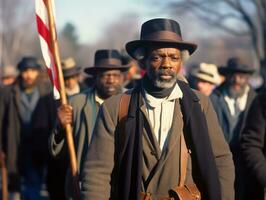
(9, 71)
(70, 68)
(207, 72)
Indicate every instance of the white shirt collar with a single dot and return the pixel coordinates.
(241, 101)
(98, 99)
(154, 102)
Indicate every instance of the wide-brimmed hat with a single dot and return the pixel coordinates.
(28, 62)
(235, 65)
(207, 72)
(70, 68)
(106, 59)
(159, 32)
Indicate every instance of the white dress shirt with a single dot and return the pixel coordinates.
(240, 101)
(160, 112)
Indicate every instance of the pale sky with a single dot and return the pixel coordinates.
(90, 17)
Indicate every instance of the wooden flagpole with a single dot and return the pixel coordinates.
(63, 98)
(4, 177)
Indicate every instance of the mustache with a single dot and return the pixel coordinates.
(165, 72)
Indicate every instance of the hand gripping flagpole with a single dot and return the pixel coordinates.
(63, 98)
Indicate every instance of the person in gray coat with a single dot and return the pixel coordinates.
(139, 157)
(83, 108)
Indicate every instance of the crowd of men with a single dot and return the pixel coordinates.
(142, 130)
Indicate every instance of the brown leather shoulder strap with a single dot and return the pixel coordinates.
(123, 106)
(183, 160)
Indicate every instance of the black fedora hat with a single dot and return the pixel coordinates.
(234, 65)
(28, 62)
(165, 32)
(70, 68)
(106, 59)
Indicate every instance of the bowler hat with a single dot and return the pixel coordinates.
(106, 59)
(70, 68)
(28, 62)
(235, 65)
(159, 32)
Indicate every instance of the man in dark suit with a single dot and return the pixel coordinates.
(254, 148)
(231, 102)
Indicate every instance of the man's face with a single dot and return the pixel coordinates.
(205, 87)
(109, 83)
(163, 65)
(29, 77)
(237, 84)
(8, 80)
(71, 82)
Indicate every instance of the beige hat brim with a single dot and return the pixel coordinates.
(215, 80)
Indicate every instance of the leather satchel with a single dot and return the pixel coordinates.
(182, 191)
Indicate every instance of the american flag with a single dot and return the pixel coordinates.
(46, 43)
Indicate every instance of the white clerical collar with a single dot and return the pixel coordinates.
(154, 102)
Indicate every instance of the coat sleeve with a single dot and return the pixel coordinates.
(222, 154)
(253, 141)
(57, 143)
(99, 163)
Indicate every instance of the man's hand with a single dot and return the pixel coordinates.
(65, 114)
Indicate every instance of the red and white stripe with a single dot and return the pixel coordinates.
(46, 43)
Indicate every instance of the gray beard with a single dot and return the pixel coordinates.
(236, 94)
(158, 82)
(164, 84)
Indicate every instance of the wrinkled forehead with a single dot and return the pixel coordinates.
(163, 51)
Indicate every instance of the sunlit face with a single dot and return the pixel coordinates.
(109, 83)
(8, 80)
(29, 77)
(71, 82)
(205, 87)
(237, 84)
(163, 65)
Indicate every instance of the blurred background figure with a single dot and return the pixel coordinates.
(205, 78)
(254, 148)
(134, 72)
(71, 74)
(231, 102)
(82, 110)
(8, 75)
(25, 164)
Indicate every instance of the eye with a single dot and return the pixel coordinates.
(155, 58)
(175, 58)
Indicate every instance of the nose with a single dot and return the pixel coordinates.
(165, 62)
(110, 79)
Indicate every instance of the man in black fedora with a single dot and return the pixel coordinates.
(71, 74)
(231, 102)
(83, 108)
(140, 137)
